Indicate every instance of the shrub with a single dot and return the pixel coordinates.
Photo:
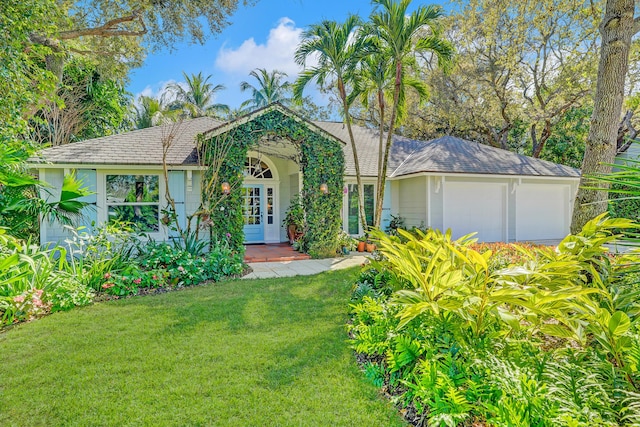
(70, 294)
(504, 334)
(34, 281)
(223, 262)
(108, 250)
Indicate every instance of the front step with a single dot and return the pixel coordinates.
(277, 252)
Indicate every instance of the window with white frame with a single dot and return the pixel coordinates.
(135, 199)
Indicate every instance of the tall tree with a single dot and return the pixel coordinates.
(271, 88)
(147, 112)
(373, 87)
(118, 33)
(401, 36)
(338, 50)
(24, 84)
(617, 29)
(519, 65)
(37, 38)
(87, 105)
(197, 97)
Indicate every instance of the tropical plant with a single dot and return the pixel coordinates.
(401, 36)
(270, 88)
(624, 191)
(339, 51)
(542, 336)
(197, 95)
(20, 204)
(106, 250)
(34, 282)
(295, 213)
(148, 112)
(347, 242)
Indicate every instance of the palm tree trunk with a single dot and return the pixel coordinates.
(387, 149)
(617, 29)
(381, 179)
(347, 119)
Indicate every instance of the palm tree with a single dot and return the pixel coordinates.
(339, 52)
(197, 98)
(400, 37)
(270, 88)
(148, 112)
(375, 89)
(374, 83)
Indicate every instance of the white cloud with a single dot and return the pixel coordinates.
(158, 89)
(276, 53)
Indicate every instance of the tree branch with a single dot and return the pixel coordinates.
(109, 29)
(44, 41)
(624, 141)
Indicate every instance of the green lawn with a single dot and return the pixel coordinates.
(241, 353)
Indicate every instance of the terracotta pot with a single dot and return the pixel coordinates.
(291, 232)
(371, 247)
(361, 246)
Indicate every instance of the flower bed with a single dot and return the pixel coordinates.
(503, 335)
(36, 282)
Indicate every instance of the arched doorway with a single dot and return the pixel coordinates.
(259, 196)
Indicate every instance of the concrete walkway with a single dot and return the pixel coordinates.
(262, 270)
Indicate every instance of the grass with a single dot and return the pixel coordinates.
(239, 353)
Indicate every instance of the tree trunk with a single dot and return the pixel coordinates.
(377, 218)
(616, 30)
(387, 149)
(347, 120)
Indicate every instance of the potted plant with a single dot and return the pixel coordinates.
(346, 243)
(370, 246)
(294, 220)
(362, 240)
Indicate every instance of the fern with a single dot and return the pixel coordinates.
(630, 410)
(374, 373)
(450, 405)
(523, 402)
(405, 352)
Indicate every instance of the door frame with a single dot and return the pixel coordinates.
(271, 233)
(259, 228)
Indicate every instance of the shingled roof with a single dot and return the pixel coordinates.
(138, 147)
(449, 154)
(442, 155)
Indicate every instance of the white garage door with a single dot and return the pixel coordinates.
(542, 211)
(475, 207)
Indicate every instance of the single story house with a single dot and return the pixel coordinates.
(445, 183)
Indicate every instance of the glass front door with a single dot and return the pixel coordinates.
(253, 209)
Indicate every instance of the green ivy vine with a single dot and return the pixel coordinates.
(322, 161)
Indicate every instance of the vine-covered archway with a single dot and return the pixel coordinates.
(321, 160)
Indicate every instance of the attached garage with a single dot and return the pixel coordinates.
(542, 210)
(470, 187)
(476, 207)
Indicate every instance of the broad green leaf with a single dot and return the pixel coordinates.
(556, 331)
(619, 324)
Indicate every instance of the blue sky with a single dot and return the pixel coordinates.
(264, 35)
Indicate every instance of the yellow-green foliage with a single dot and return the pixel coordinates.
(460, 328)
